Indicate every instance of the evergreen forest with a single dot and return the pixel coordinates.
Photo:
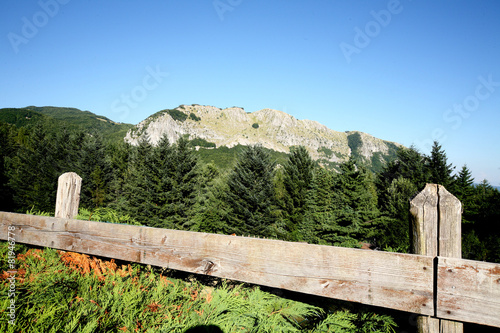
(295, 199)
(260, 194)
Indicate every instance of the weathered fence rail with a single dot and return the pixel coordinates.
(399, 281)
(445, 290)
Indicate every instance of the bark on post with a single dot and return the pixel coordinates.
(436, 231)
(68, 195)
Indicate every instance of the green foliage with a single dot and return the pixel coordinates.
(60, 291)
(251, 193)
(194, 117)
(343, 207)
(463, 185)
(326, 151)
(104, 214)
(225, 158)
(8, 148)
(400, 180)
(177, 115)
(410, 164)
(32, 211)
(397, 212)
(20, 117)
(35, 167)
(212, 209)
(439, 169)
(297, 178)
(201, 142)
(255, 125)
(378, 160)
(95, 169)
(161, 184)
(70, 118)
(239, 190)
(355, 142)
(481, 229)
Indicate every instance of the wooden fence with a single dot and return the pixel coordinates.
(436, 283)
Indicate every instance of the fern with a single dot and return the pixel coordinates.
(61, 291)
(105, 215)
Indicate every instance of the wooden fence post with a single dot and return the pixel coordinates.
(436, 231)
(68, 195)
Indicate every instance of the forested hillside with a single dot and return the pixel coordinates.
(70, 118)
(168, 186)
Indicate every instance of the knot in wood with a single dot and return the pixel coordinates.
(209, 267)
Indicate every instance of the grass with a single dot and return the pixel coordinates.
(58, 291)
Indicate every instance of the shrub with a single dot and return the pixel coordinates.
(177, 115)
(194, 117)
(71, 292)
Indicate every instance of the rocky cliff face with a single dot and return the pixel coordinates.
(272, 129)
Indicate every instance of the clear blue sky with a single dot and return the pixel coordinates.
(405, 71)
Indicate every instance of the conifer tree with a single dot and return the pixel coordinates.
(344, 210)
(322, 200)
(409, 164)
(297, 180)
(212, 210)
(8, 148)
(161, 170)
(440, 170)
(356, 187)
(95, 170)
(251, 193)
(463, 186)
(161, 184)
(183, 181)
(397, 210)
(356, 215)
(118, 157)
(33, 172)
(139, 188)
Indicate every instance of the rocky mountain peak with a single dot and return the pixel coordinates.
(272, 129)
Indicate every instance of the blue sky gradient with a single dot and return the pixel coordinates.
(404, 71)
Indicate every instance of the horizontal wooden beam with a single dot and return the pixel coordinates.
(468, 291)
(392, 280)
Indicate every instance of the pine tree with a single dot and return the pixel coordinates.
(397, 210)
(297, 180)
(343, 207)
(440, 170)
(139, 187)
(95, 170)
(8, 148)
(356, 216)
(33, 172)
(357, 188)
(183, 182)
(251, 193)
(409, 164)
(322, 200)
(118, 157)
(463, 186)
(212, 210)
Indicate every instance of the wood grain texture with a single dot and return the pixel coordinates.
(424, 212)
(469, 291)
(69, 185)
(436, 230)
(424, 226)
(450, 241)
(392, 280)
(450, 224)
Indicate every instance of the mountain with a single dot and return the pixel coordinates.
(65, 117)
(220, 134)
(209, 127)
